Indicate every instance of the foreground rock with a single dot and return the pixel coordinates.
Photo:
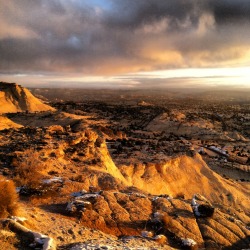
(135, 214)
(34, 239)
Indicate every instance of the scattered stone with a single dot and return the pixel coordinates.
(147, 234)
(205, 210)
(189, 244)
(60, 238)
(70, 231)
(160, 239)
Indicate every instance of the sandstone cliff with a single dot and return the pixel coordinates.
(187, 175)
(14, 98)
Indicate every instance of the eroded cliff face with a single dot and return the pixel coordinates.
(181, 176)
(14, 98)
(185, 175)
(97, 148)
(166, 190)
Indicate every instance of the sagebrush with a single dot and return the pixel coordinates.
(28, 170)
(8, 198)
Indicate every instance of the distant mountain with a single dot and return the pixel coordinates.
(15, 98)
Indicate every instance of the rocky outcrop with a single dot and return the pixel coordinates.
(36, 238)
(14, 98)
(157, 217)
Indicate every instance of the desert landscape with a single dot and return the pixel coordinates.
(123, 170)
(124, 124)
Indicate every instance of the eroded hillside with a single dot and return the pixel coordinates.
(15, 98)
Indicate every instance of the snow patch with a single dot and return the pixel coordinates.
(195, 206)
(188, 242)
(53, 180)
(18, 219)
(87, 196)
(80, 193)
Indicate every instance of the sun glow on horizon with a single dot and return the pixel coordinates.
(229, 76)
(189, 77)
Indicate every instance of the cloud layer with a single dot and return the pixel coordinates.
(109, 37)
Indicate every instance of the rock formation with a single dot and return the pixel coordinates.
(14, 98)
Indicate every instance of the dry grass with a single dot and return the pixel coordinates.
(71, 187)
(8, 198)
(41, 200)
(28, 170)
(8, 239)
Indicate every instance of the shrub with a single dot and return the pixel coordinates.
(28, 170)
(8, 198)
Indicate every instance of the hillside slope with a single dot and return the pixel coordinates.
(6, 123)
(187, 175)
(14, 98)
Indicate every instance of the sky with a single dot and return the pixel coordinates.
(125, 43)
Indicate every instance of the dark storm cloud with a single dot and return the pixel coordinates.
(133, 14)
(226, 11)
(126, 36)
